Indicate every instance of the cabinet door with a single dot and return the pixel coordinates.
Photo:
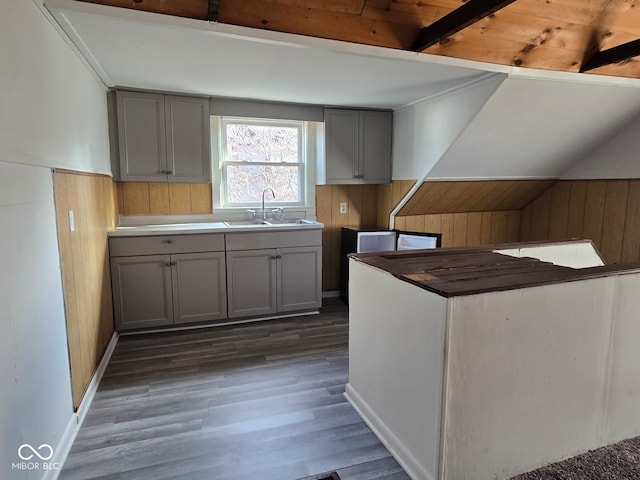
(141, 136)
(199, 287)
(141, 291)
(341, 145)
(299, 278)
(251, 282)
(188, 139)
(375, 147)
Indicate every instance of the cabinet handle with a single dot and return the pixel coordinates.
(168, 240)
(170, 264)
(168, 172)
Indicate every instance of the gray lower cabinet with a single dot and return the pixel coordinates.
(161, 138)
(168, 289)
(274, 272)
(198, 285)
(268, 281)
(142, 292)
(172, 280)
(251, 282)
(299, 278)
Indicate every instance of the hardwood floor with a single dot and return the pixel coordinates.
(252, 401)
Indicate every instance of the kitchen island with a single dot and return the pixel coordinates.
(478, 364)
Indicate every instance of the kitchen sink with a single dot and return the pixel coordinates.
(272, 222)
(291, 221)
(246, 223)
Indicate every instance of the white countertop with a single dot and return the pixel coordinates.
(212, 227)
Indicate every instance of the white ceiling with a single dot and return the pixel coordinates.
(149, 51)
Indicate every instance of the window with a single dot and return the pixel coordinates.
(257, 153)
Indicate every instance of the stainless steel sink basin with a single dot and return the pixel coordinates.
(246, 223)
(291, 221)
(272, 222)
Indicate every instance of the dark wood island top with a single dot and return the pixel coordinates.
(451, 272)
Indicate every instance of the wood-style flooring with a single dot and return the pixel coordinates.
(254, 401)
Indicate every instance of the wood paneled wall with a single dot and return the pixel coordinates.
(85, 269)
(151, 198)
(362, 208)
(604, 211)
(389, 196)
(466, 229)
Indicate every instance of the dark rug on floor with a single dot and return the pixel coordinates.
(620, 461)
(323, 476)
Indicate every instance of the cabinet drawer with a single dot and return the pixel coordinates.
(166, 244)
(289, 238)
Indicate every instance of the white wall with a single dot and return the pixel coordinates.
(422, 132)
(618, 157)
(532, 128)
(52, 113)
(396, 360)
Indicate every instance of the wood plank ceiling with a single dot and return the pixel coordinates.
(547, 34)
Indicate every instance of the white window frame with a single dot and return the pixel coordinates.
(308, 145)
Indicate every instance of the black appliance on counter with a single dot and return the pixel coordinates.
(363, 240)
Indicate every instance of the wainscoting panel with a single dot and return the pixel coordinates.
(604, 211)
(362, 208)
(157, 198)
(466, 229)
(85, 269)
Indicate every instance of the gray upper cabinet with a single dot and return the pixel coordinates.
(375, 146)
(162, 138)
(188, 139)
(358, 146)
(141, 136)
(341, 145)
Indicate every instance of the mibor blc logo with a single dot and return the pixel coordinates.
(35, 458)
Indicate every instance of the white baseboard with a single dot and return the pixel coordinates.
(62, 450)
(386, 436)
(95, 381)
(75, 422)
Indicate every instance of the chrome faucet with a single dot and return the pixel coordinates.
(264, 212)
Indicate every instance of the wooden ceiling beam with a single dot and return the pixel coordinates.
(460, 18)
(612, 55)
(213, 10)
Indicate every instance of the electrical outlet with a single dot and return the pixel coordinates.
(343, 207)
(72, 223)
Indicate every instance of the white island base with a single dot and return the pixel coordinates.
(491, 385)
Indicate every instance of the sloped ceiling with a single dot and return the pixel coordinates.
(461, 196)
(534, 128)
(551, 34)
(618, 157)
(146, 51)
